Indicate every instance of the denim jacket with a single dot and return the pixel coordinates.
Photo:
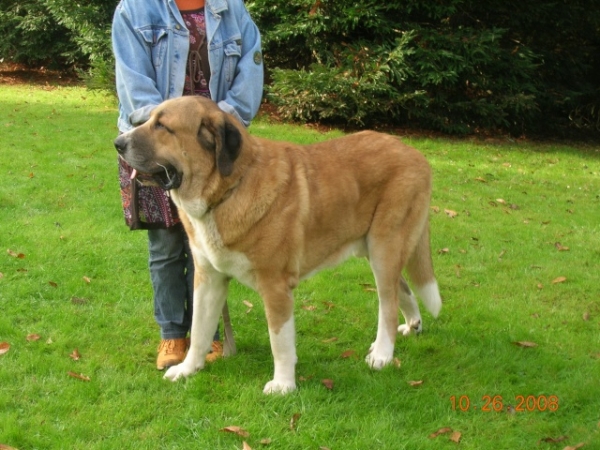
(151, 44)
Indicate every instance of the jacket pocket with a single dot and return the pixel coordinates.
(233, 53)
(157, 40)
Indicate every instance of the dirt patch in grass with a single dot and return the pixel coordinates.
(15, 74)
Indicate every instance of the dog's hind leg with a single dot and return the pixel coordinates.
(410, 311)
(210, 294)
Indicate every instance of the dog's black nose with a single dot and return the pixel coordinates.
(120, 144)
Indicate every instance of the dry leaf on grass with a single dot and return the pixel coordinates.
(245, 446)
(294, 420)
(15, 254)
(586, 316)
(87, 280)
(574, 447)
(415, 383)
(560, 247)
(450, 213)
(6, 447)
(455, 436)
(525, 344)
(249, 305)
(327, 383)
(348, 353)
(79, 376)
(559, 280)
(266, 441)
(440, 431)
(33, 337)
(235, 430)
(553, 440)
(330, 340)
(75, 356)
(53, 284)
(397, 362)
(4, 347)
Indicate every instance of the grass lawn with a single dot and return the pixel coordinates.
(513, 361)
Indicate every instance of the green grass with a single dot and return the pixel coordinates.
(82, 283)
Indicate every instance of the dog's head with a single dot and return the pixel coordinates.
(184, 138)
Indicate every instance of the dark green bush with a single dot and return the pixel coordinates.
(457, 66)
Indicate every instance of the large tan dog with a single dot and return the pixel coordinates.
(271, 213)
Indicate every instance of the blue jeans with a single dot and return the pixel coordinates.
(172, 275)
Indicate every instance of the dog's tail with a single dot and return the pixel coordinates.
(420, 272)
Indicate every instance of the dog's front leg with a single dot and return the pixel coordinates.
(210, 293)
(279, 307)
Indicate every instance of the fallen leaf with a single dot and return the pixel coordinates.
(324, 448)
(455, 436)
(328, 383)
(33, 337)
(510, 409)
(15, 254)
(87, 279)
(266, 441)
(4, 347)
(440, 431)
(481, 179)
(540, 286)
(1, 275)
(560, 247)
(501, 201)
(6, 447)
(53, 284)
(450, 213)
(309, 307)
(75, 356)
(574, 447)
(236, 430)
(245, 446)
(330, 340)
(586, 316)
(416, 383)
(368, 287)
(79, 376)
(553, 440)
(525, 344)
(559, 280)
(397, 362)
(49, 341)
(249, 305)
(435, 209)
(294, 420)
(329, 305)
(443, 251)
(347, 353)
(502, 253)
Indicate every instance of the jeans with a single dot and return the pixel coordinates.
(172, 275)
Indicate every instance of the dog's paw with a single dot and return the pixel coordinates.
(275, 387)
(182, 370)
(378, 360)
(415, 326)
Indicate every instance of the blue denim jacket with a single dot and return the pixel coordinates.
(151, 43)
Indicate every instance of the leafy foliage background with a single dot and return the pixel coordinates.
(459, 66)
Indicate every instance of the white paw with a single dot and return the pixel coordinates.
(182, 370)
(415, 326)
(274, 387)
(377, 359)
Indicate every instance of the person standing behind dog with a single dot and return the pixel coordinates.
(164, 49)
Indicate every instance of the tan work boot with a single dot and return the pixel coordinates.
(171, 352)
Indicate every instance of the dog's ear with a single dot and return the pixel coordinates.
(220, 136)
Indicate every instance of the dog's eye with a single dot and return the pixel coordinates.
(161, 126)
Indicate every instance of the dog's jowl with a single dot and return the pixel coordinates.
(272, 213)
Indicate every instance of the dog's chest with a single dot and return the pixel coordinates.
(208, 246)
